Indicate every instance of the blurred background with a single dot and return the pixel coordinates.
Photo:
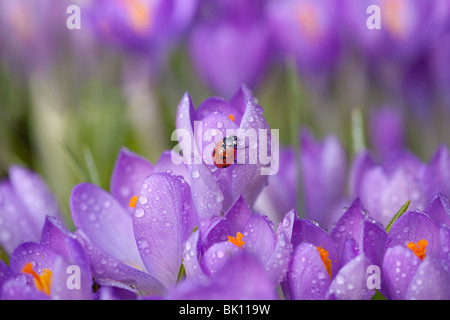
(81, 78)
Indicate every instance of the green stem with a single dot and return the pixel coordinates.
(398, 215)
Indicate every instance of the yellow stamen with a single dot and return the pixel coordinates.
(140, 14)
(231, 117)
(419, 249)
(238, 240)
(42, 281)
(133, 202)
(326, 261)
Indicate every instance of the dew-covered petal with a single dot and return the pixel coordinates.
(218, 231)
(259, 237)
(40, 256)
(171, 162)
(163, 221)
(350, 224)
(307, 278)
(5, 273)
(436, 178)
(238, 215)
(399, 266)
(351, 281)
(362, 163)
(34, 194)
(105, 222)
(278, 262)
(430, 282)
(439, 210)
(350, 250)
(217, 256)
(129, 173)
(413, 226)
(445, 246)
(54, 234)
(216, 104)
(109, 271)
(19, 289)
(191, 258)
(16, 226)
(241, 278)
(373, 241)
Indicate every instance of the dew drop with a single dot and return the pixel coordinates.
(195, 174)
(139, 212)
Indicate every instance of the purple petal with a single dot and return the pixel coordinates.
(307, 278)
(238, 215)
(218, 231)
(242, 278)
(54, 234)
(373, 242)
(16, 225)
(437, 173)
(163, 221)
(399, 266)
(190, 259)
(109, 271)
(430, 282)
(351, 281)
(34, 194)
(278, 262)
(165, 164)
(259, 237)
(217, 256)
(350, 250)
(129, 173)
(439, 210)
(217, 104)
(105, 222)
(5, 273)
(362, 163)
(40, 256)
(414, 226)
(445, 243)
(16, 289)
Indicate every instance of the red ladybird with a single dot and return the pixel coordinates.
(224, 153)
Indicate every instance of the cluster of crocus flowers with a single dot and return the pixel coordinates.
(191, 230)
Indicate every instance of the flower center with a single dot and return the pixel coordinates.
(326, 261)
(419, 248)
(42, 281)
(238, 240)
(231, 117)
(133, 202)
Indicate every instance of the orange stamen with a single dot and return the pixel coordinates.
(231, 117)
(419, 249)
(133, 202)
(238, 240)
(42, 281)
(326, 261)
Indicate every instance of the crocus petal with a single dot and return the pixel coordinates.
(351, 281)
(399, 266)
(166, 164)
(5, 273)
(350, 250)
(40, 256)
(445, 243)
(238, 215)
(259, 237)
(163, 221)
(105, 222)
(129, 173)
(242, 277)
(18, 289)
(109, 271)
(413, 226)
(373, 241)
(16, 225)
(217, 231)
(307, 278)
(213, 104)
(439, 210)
(190, 259)
(430, 282)
(34, 193)
(54, 234)
(216, 257)
(361, 164)
(437, 173)
(278, 262)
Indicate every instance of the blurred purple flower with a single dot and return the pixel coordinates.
(324, 174)
(417, 259)
(40, 270)
(333, 265)
(230, 44)
(25, 201)
(207, 126)
(306, 30)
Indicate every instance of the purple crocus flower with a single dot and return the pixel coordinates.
(333, 265)
(200, 131)
(145, 26)
(125, 245)
(216, 44)
(385, 187)
(42, 270)
(417, 260)
(210, 247)
(307, 30)
(25, 201)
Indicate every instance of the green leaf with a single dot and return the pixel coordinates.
(398, 215)
(378, 296)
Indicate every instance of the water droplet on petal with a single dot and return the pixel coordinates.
(195, 174)
(139, 212)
